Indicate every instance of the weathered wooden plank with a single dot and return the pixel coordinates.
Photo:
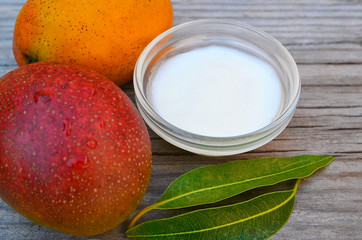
(314, 32)
(297, 140)
(325, 38)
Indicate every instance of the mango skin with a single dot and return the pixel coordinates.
(75, 154)
(105, 35)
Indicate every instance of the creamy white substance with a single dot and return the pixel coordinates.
(216, 91)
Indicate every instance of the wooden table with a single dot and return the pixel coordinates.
(325, 38)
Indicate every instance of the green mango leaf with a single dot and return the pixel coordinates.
(211, 184)
(258, 218)
(214, 183)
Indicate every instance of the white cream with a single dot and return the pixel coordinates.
(216, 91)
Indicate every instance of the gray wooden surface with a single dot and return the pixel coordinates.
(325, 38)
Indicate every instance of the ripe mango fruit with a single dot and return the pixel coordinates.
(75, 154)
(105, 35)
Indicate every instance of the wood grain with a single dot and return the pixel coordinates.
(325, 38)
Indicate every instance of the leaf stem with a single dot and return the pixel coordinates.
(140, 214)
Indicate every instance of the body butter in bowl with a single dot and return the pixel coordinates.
(216, 87)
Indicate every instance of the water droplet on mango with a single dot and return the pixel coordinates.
(67, 127)
(78, 161)
(88, 90)
(43, 96)
(101, 122)
(91, 143)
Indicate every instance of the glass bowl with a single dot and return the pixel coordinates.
(202, 33)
